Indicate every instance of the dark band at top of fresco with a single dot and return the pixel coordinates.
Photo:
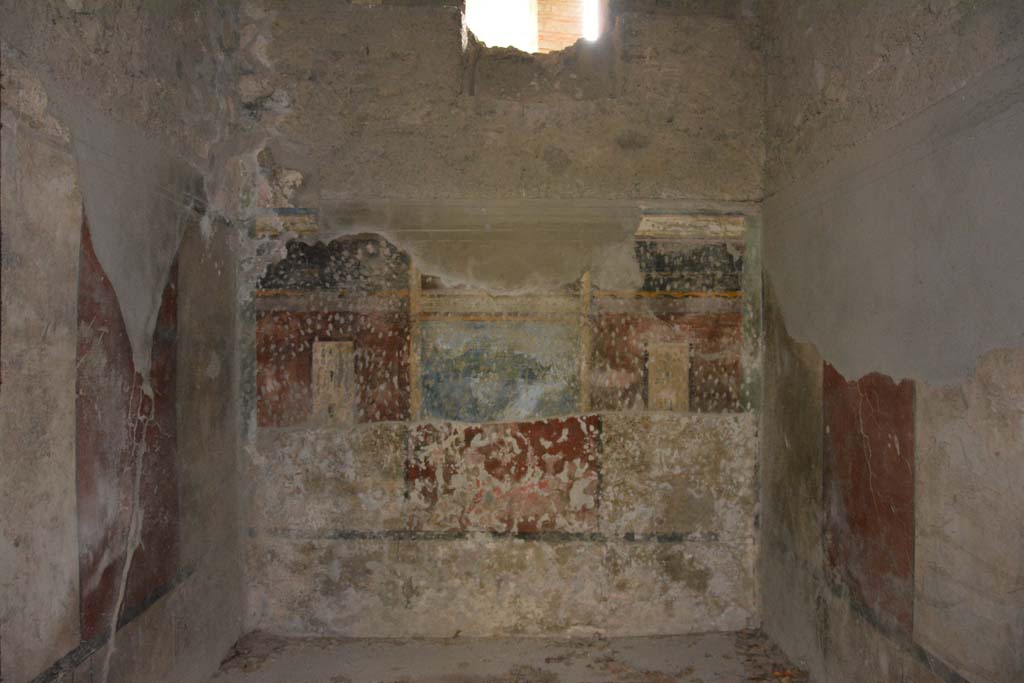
(688, 267)
(362, 263)
(436, 284)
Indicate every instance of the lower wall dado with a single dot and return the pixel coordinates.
(606, 523)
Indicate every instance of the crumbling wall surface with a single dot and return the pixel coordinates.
(841, 72)
(181, 607)
(892, 375)
(849, 620)
(153, 64)
(791, 492)
(131, 83)
(433, 458)
(109, 122)
(502, 310)
(548, 550)
(385, 102)
(814, 607)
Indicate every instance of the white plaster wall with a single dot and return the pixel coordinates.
(905, 255)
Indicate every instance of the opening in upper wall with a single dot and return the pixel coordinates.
(535, 25)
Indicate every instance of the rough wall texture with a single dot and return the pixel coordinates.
(848, 620)
(550, 410)
(155, 64)
(840, 72)
(162, 69)
(341, 101)
(183, 630)
(592, 449)
(792, 494)
(93, 97)
(483, 319)
(384, 102)
(824, 610)
(892, 239)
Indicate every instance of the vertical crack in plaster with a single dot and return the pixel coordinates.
(868, 455)
(133, 537)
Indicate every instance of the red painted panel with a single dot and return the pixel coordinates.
(122, 435)
(620, 358)
(617, 376)
(558, 490)
(869, 490)
(523, 477)
(284, 359)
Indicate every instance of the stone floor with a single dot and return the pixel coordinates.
(703, 658)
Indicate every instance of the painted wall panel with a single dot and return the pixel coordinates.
(284, 352)
(869, 490)
(126, 457)
(516, 477)
(480, 425)
(499, 371)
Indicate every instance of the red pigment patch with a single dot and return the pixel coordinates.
(284, 359)
(522, 477)
(619, 370)
(869, 489)
(112, 435)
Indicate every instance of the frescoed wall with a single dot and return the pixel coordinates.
(408, 421)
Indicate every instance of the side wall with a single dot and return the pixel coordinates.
(41, 232)
(894, 377)
(119, 486)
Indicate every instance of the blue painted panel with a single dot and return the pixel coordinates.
(499, 371)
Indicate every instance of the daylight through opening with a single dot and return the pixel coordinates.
(534, 25)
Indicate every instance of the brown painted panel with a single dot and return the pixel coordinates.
(123, 437)
(284, 358)
(709, 333)
(869, 490)
(716, 384)
(619, 360)
(523, 477)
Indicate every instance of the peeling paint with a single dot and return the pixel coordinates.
(483, 445)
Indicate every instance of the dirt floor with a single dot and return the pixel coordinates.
(703, 658)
